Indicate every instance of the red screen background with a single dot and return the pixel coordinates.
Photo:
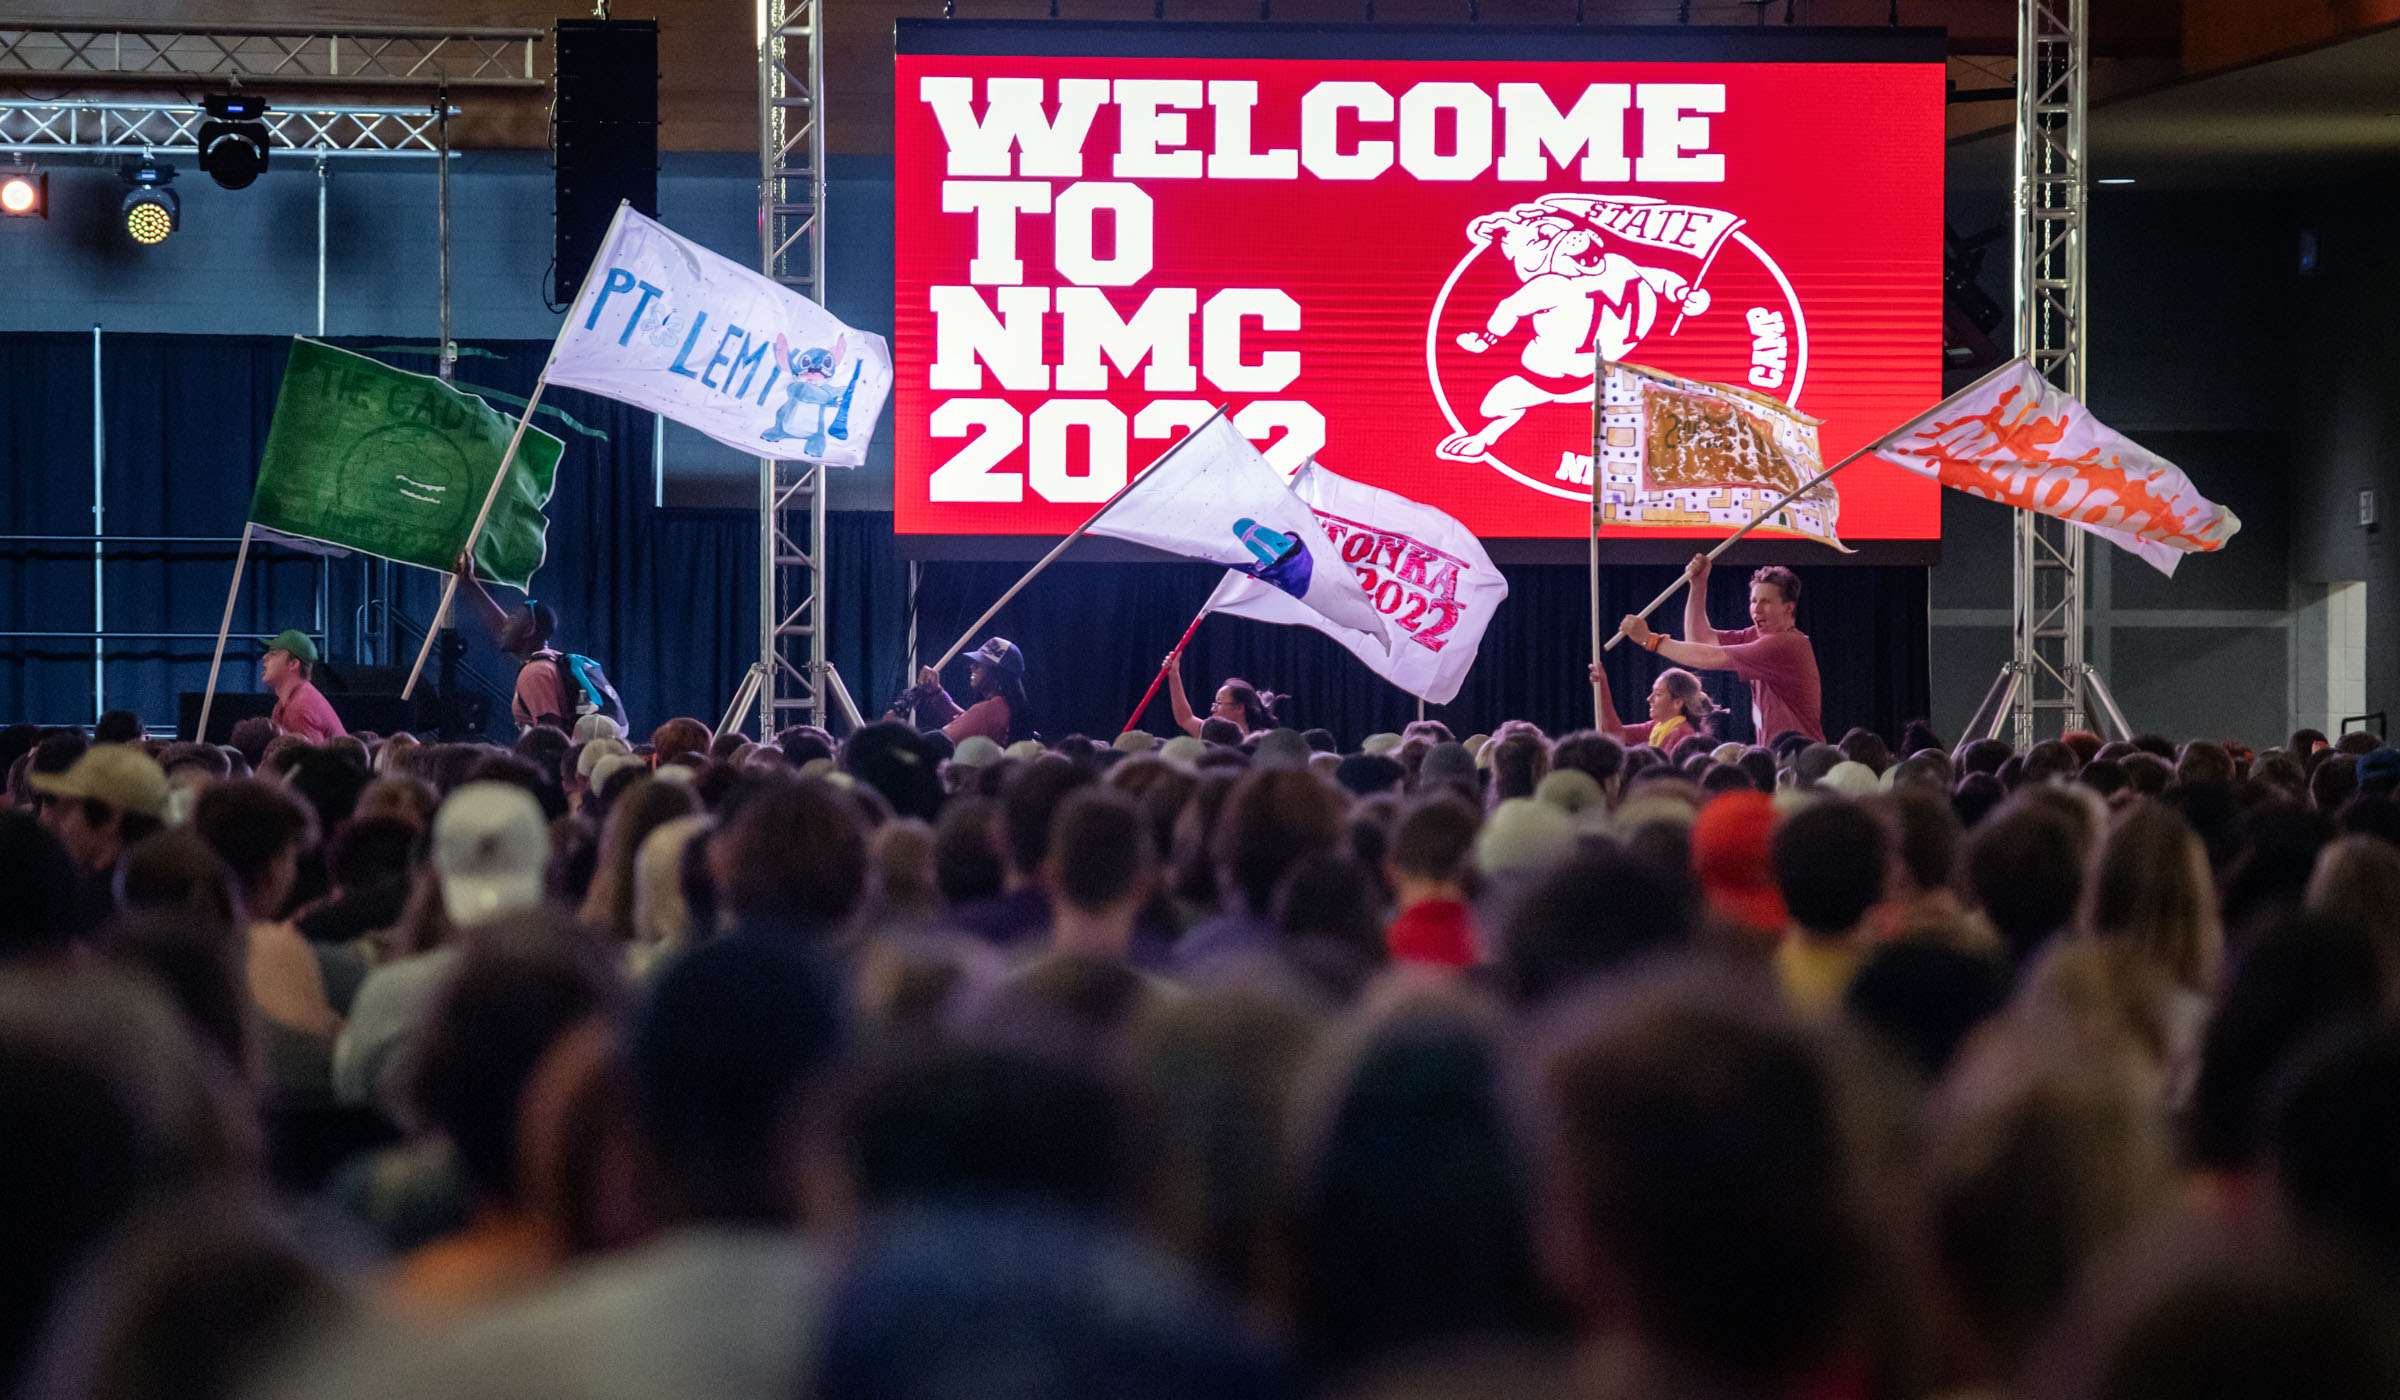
(1835, 169)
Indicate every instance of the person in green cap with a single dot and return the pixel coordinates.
(300, 708)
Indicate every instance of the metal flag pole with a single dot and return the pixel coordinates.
(1173, 657)
(1599, 412)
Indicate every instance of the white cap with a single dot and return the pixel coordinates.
(490, 847)
(595, 750)
(1851, 778)
(597, 726)
(1523, 834)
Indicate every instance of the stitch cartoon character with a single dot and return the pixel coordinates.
(1577, 296)
(809, 383)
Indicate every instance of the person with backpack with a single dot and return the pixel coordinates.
(554, 688)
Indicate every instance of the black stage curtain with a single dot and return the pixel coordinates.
(667, 600)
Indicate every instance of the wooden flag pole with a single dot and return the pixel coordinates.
(1052, 557)
(499, 478)
(1172, 658)
(1789, 496)
(208, 698)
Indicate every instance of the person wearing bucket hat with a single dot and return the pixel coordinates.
(1000, 713)
(300, 709)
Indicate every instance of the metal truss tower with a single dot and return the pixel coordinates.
(2052, 54)
(791, 249)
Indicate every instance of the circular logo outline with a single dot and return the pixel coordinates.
(1441, 395)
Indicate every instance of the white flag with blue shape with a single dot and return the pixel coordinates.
(664, 324)
(1214, 498)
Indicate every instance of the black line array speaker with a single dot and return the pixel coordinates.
(603, 136)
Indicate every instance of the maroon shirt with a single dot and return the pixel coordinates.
(306, 713)
(1781, 668)
(541, 690)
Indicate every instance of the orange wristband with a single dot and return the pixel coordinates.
(1652, 644)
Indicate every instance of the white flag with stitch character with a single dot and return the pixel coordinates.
(664, 324)
(1427, 573)
(1212, 497)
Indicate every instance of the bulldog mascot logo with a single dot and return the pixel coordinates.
(1613, 276)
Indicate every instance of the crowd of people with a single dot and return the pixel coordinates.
(1241, 1064)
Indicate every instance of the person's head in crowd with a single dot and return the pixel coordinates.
(175, 872)
(2305, 742)
(401, 799)
(731, 1050)
(1589, 751)
(1518, 763)
(2266, 853)
(1927, 840)
(1433, 731)
(889, 757)
(522, 981)
(1280, 748)
(1220, 731)
(1811, 764)
(1449, 765)
(1432, 851)
(1732, 847)
(2203, 762)
(1098, 871)
(1917, 735)
(2302, 982)
(118, 727)
(1867, 747)
(1759, 765)
(1321, 740)
(574, 859)
(1028, 808)
(2083, 743)
(259, 831)
(1922, 999)
(490, 850)
(2378, 817)
(45, 912)
(1832, 867)
(396, 757)
(1983, 756)
(678, 740)
(111, 797)
(2012, 773)
(790, 855)
(56, 753)
(721, 748)
(2025, 870)
(904, 889)
(192, 765)
(608, 903)
(1602, 911)
(1271, 819)
(2356, 882)
(1572, 791)
(2335, 1137)
(1519, 843)
(1711, 1196)
(2158, 744)
(1329, 914)
(103, 1106)
(2334, 781)
(1394, 1261)
(2217, 1320)
(2105, 776)
(544, 747)
(328, 782)
(2146, 774)
(802, 742)
(967, 863)
(975, 1125)
(1244, 705)
(1366, 774)
(2357, 743)
(2151, 896)
(2378, 772)
(2050, 761)
(1928, 768)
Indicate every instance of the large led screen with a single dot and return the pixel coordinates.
(1401, 252)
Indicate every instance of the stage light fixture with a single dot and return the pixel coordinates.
(24, 193)
(151, 209)
(233, 141)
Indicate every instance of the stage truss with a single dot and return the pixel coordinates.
(790, 678)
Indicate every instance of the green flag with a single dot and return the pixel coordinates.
(363, 456)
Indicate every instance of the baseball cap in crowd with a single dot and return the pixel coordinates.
(1523, 835)
(293, 640)
(2378, 763)
(1027, 749)
(1135, 741)
(597, 726)
(1475, 744)
(1380, 744)
(1727, 753)
(1366, 774)
(1282, 748)
(1570, 790)
(1852, 779)
(1183, 748)
(1446, 763)
(1732, 842)
(490, 847)
(1000, 652)
(975, 751)
(596, 751)
(118, 774)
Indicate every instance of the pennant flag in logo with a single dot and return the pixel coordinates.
(1212, 497)
(665, 324)
(1424, 571)
(365, 457)
(2016, 438)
